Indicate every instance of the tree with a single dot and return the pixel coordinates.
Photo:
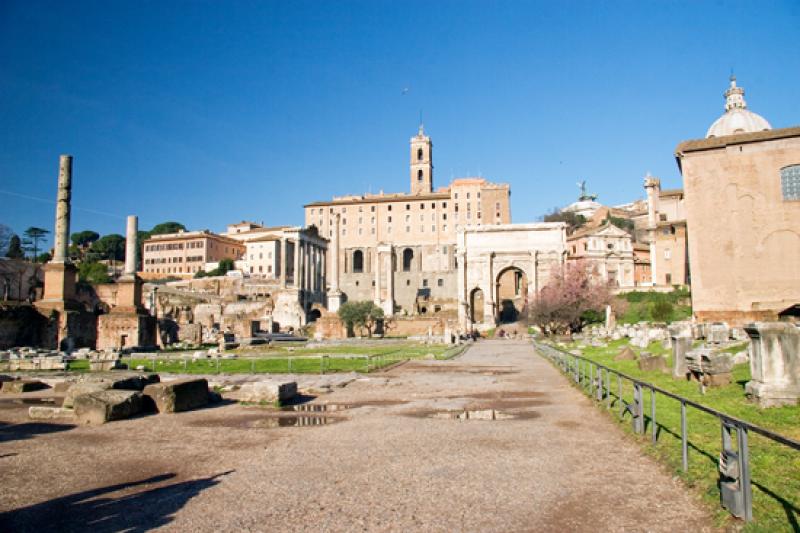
(84, 238)
(568, 301)
(109, 247)
(167, 227)
(15, 248)
(223, 267)
(44, 257)
(573, 221)
(361, 315)
(34, 237)
(93, 272)
(622, 223)
(5, 238)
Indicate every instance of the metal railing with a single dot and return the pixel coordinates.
(734, 463)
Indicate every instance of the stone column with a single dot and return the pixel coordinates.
(282, 262)
(377, 271)
(334, 251)
(296, 262)
(63, 198)
(131, 248)
(463, 293)
(387, 304)
(488, 314)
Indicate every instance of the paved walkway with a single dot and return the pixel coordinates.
(392, 461)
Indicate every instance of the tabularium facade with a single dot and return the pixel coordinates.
(399, 250)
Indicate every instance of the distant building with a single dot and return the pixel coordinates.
(185, 253)
(609, 251)
(742, 203)
(666, 235)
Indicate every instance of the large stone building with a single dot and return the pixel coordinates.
(415, 233)
(742, 203)
(185, 253)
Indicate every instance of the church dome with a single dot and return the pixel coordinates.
(737, 118)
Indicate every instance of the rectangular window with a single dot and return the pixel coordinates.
(440, 282)
(790, 182)
(668, 278)
(433, 229)
(424, 282)
(667, 253)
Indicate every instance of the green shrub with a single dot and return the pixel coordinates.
(661, 311)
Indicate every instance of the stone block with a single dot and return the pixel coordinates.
(87, 387)
(774, 363)
(652, 363)
(104, 365)
(717, 333)
(41, 412)
(267, 391)
(135, 383)
(626, 355)
(108, 405)
(178, 395)
(23, 385)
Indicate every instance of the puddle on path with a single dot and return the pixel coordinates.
(16, 402)
(317, 407)
(294, 421)
(476, 414)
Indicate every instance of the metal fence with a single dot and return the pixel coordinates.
(734, 463)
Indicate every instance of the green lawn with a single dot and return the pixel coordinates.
(281, 360)
(775, 469)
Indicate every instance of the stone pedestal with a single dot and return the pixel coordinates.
(774, 363)
(59, 282)
(334, 301)
(680, 334)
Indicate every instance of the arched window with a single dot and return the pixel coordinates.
(419, 154)
(358, 261)
(408, 257)
(419, 175)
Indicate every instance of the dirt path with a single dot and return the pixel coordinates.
(395, 453)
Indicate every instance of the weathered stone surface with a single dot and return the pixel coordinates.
(178, 395)
(23, 385)
(87, 387)
(774, 363)
(41, 412)
(267, 391)
(136, 383)
(104, 406)
(62, 387)
(104, 365)
(653, 363)
(681, 336)
(626, 355)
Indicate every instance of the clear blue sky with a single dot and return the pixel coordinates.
(213, 112)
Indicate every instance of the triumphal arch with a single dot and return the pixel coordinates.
(502, 268)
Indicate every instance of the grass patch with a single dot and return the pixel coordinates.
(775, 469)
(284, 360)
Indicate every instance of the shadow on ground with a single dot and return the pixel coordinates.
(97, 511)
(28, 430)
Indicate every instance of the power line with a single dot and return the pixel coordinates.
(76, 208)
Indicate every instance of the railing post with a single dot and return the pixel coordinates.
(608, 389)
(638, 411)
(653, 413)
(744, 465)
(684, 442)
(591, 379)
(619, 396)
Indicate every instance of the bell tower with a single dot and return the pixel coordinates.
(421, 163)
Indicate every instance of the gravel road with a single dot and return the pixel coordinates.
(496, 440)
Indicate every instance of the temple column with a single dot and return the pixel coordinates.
(282, 262)
(377, 271)
(388, 304)
(334, 294)
(296, 263)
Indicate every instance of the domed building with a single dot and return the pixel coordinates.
(737, 118)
